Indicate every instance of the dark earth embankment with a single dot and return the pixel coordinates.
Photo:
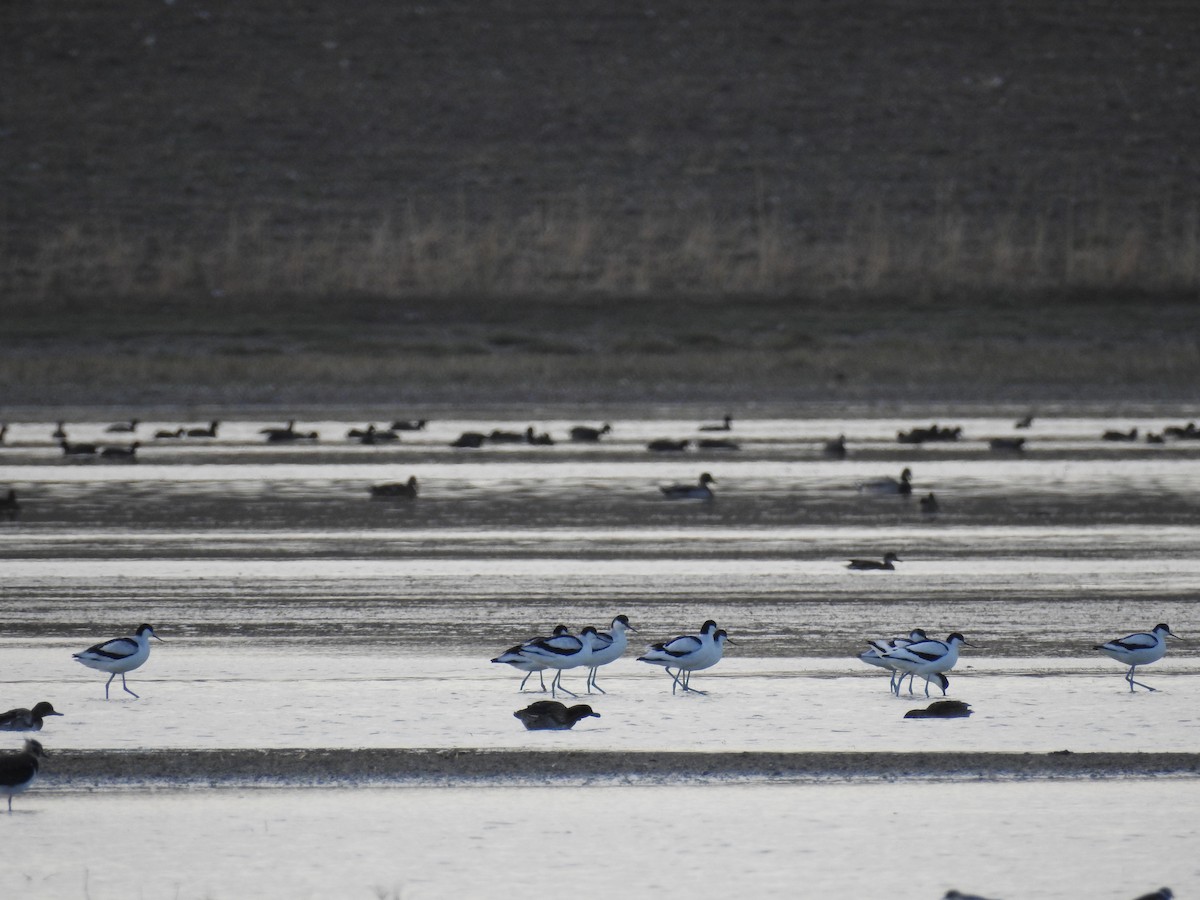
(207, 205)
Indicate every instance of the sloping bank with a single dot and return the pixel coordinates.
(100, 769)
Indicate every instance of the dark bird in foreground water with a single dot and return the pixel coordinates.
(550, 715)
(885, 563)
(941, 709)
(27, 719)
(959, 895)
(1160, 894)
(18, 770)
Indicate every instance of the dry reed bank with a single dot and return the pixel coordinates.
(287, 200)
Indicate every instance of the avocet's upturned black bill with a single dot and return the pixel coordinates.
(120, 655)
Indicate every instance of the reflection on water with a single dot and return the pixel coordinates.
(1033, 553)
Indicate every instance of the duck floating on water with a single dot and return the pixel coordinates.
(698, 491)
(864, 564)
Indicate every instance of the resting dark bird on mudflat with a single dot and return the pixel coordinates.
(550, 715)
(942, 709)
(1161, 894)
(27, 719)
(18, 770)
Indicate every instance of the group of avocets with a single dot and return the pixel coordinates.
(914, 655)
(919, 655)
(685, 654)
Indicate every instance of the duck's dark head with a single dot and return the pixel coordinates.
(43, 709)
(582, 711)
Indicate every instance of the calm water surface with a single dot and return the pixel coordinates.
(299, 612)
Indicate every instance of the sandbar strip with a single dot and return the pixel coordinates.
(92, 769)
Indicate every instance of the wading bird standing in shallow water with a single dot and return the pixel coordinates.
(1138, 649)
(688, 653)
(120, 655)
(930, 659)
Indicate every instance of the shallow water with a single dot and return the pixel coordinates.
(298, 612)
(1034, 840)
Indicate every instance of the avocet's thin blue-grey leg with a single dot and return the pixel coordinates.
(1129, 678)
(557, 684)
(124, 685)
(107, 683)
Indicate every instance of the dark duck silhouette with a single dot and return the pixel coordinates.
(941, 709)
(401, 490)
(27, 719)
(885, 563)
(18, 770)
(550, 715)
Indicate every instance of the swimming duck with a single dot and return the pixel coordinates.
(77, 449)
(1130, 435)
(9, 505)
(409, 425)
(885, 563)
(405, 490)
(128, 451)
(27, 719)
(538, 440)
(131, 425)
(1007, 444)
(18, 770)
(889, 485)
(929, 503)
(584, 434)
(165, 434)
(725, 425)
(835, 448)
(469, 439)
(666, 445)
(550, 715)
(717, 444)
(209, 432)
(699, 491)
